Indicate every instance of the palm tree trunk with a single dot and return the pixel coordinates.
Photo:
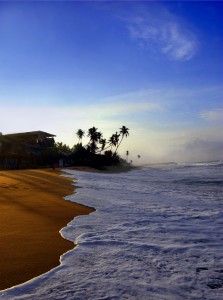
(119, 144)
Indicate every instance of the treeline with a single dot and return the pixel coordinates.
(96, 143)
(97, 152)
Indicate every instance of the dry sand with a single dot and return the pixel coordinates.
(32, 211)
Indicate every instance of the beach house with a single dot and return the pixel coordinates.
(22, 150)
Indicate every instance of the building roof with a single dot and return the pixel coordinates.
(24, 136)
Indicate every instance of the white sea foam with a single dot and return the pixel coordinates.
(157, 233)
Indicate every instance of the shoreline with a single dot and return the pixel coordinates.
(107, 169)
(33, 212)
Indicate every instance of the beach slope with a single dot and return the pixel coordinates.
(32, 212)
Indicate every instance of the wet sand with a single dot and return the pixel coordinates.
(32, 212)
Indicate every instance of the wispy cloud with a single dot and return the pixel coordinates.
(133, 102)
(157, 29)
(212, 115)
(63, 121)
(117, 109)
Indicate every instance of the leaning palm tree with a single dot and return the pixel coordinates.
(116, 137)
(102, 142)
(113, 141)
(80, 133)
(99, 136)
(124, 132)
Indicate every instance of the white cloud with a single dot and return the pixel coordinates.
(155, 28)
(212, 115)
(178, 44)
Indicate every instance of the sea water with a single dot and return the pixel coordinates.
(157, 233)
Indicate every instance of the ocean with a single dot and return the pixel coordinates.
(157, 233)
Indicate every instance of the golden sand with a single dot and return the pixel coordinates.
(32, 212)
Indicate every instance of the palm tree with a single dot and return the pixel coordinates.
(97, 143)
(80, 133)
(92, 147)
(113, 141)
(102, 142)
(116, 140)
(95, 137)
(124, 132)
(127, 154)
(99, 136)
(93, 134)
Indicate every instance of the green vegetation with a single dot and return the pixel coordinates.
(98, 151)
(80, 133)
(98, 144)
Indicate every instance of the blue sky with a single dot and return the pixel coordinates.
(155, 67)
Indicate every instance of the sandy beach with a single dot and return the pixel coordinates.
(32, 213)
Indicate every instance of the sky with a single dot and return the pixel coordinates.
(153, 66)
